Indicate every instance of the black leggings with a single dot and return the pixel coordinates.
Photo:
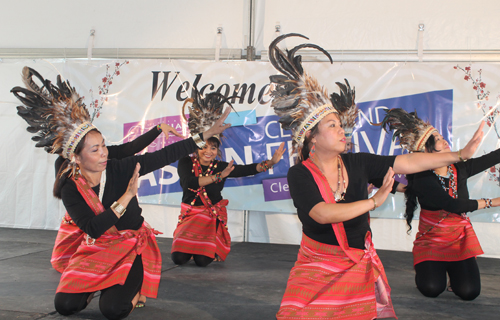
(464, 278)
(115, 302)
(182, 258)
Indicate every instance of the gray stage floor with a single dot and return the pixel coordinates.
(248, 285)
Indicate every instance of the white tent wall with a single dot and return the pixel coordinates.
(385, 24)
(336, 25)
(122, 24)
(30, 28)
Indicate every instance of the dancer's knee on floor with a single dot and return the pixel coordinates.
(180, 257)
(468, 293)
(115, 311)
(202, 261)
(67, 305)
(431, 290)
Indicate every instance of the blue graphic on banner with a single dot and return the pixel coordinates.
(435, 107)
(242, 118)
(257, 142)
(243, 144)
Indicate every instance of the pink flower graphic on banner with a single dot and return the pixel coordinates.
(107, 81)
(489, 112)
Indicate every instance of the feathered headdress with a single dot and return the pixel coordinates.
(346, 107)
(56, 114)
(412, 132)
(299, 100)
(203, 112)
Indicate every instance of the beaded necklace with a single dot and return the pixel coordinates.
(201, 192)
(339, 195)
(452, 189)
(211, 167)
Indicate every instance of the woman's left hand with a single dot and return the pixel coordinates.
(278, 154)
(470, 148)
(165, 128)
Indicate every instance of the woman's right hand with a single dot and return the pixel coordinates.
(133, 184)
(469, 150)
(131, 191)
(382, 193)
(218, 126)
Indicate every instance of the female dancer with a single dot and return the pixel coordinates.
(119, 255)
(446, 242)
(202, 229)
(69, 236)
(338, 274)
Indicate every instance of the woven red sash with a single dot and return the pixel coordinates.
(195, 232)
(444, 236)
(107, 262)
(69, 237)
(335, 282)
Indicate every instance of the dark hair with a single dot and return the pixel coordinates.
(411, 202)
(410, 197)
(430, 144)
(214, 141)
(61, 178)
(304, 152)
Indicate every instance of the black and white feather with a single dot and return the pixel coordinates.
(407, 127)
(203, 112)
(51, 111)
(295, 93)
(345, 104)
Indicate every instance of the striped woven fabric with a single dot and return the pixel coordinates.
(444, 236)
(107, 262)
(69, 237)
(195, 233)
(326, 284)
(335, 282)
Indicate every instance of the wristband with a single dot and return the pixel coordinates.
(460, 156)
(218, 177)
(487, 203)
(199, 142)
(374, 204)
(264, 166)
(118, 208)
(158, 127)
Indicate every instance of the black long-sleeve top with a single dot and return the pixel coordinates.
(189, 181)
(123, 150)
(118, 174)
(305, 195)
(432, 196)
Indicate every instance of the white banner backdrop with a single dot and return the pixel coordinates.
(140, 93)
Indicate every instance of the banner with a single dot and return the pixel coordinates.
(127, 98)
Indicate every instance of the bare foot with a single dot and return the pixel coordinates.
(217, 259)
